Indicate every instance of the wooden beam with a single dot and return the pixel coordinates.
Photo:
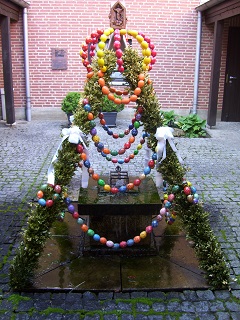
(215, 73)
(222, 11)
(9, 9)
(7, 69)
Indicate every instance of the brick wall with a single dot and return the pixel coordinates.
(170, 24)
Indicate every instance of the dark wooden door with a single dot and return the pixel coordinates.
(231, 99)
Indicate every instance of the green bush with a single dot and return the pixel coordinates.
(169, 118)
(110, 106)
(192, 125)
(70, 102)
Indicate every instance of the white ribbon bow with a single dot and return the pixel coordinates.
(162, 135)
(74, 135)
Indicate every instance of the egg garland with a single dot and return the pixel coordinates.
(169, 202)
(126, 100)
(92, 42)
(166, 211)
(107, 187)
(105, 152)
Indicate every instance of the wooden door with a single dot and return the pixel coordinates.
(231, 98)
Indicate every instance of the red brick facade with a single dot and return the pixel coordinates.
(171, 25)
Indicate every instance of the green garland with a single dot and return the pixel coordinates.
(196, 224)
(195, 219)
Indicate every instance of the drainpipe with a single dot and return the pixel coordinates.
(26, 61)
(197, 62)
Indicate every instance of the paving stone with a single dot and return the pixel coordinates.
(205, 295)
(188, 306)
(41, 304)
(158, 307)
(110, 317)
(24, 305)
(71, 316)
(235, 315)
(109, 305)
(89, 296)
(187, 316)
(92, 317)
(223, 315)
(157, 295)
(127, 317)
(70, 297)
(139, 294)
(91, 305)
(22, 316)
(141, 317)
(232, 306)
(121, 295)
(74, 305)
(142, 307)
(201, 306)
(124, 306)
(105, 295)
(217, 306)
(236, 293)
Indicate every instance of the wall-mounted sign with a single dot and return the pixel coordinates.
(59, 59)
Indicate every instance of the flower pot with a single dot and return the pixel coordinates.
(110, 118)
(68, 116)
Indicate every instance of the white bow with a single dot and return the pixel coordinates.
(74, 135)
(162, 135)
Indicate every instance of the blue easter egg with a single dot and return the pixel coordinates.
(80, 221)
(100, 145)
(168, 204)
(147, 170)
(96, 237)
(87, 107)
(134, 132)
(110, 133)
(196, 196)
(154, 156)
(193, 189)
(120, 161)
(116, 246)
(67, 200)
(103, 154)
(87, 163)
(130, 126)
(154, 223)
(122, 189)
(130, 242)
(42, 202)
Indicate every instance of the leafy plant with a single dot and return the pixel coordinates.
(169, 118)
(110, 106)
(192, 125)
(70, 102)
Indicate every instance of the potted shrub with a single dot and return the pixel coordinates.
(110, 110)
(70, 104)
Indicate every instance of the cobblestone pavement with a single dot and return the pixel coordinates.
(26, 152)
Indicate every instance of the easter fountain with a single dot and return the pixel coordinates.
(116, 204)
(112, 235)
